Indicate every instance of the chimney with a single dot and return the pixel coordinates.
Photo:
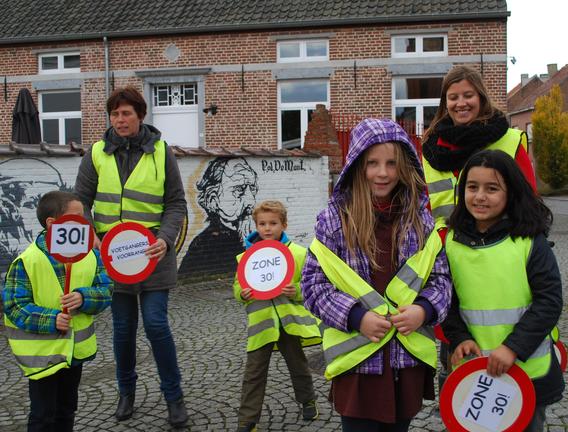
(524, 79)
(544, 77)
(552, 69)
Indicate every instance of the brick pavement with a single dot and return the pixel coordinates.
(209, 329)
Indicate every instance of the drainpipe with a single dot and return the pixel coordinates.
(107, 73)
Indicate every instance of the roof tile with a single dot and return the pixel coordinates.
(63, 19)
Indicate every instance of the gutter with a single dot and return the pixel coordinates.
(107, 74)
(521, 111)
(396, 19)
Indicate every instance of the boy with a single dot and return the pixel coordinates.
(292, 326)
(50, 346)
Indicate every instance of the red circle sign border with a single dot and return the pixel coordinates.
(266, 295)
(71, 218)
(119, 277)
(519, 376)
(563, 355)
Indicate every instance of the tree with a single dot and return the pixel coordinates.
(550, 137)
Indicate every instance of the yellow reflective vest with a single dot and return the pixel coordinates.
(266, 318)
(442, 184)
(343, 351)
(492, 306)
(142, 198)
(41, 355)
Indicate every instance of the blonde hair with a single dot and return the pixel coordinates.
(358, 214)
(271, 206)
(487, 108)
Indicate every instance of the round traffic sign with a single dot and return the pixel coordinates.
(266, 267)
(123, 252)
(70, 238)
(473, 401)
(561, 354)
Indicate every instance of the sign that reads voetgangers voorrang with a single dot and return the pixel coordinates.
(123, 251)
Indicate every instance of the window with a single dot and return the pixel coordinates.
(59, 63)
(175, 95)
(175, 113)
(60, 116)
(308, 50)
(297, 101)
(415, 102)
(419, 46)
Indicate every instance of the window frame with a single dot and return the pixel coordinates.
(418, 104)
(419, 45)
(60, 63)
(174, 108)
(303, 57)
(303, 107)
(59, 115)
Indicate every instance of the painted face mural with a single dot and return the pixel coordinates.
(22, 183)
(227, 192)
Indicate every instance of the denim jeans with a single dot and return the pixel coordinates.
(154, 307)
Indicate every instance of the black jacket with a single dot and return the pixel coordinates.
(539, 319)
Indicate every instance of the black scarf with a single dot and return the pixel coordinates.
(469, 139)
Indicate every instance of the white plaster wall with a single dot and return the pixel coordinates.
(300, 183)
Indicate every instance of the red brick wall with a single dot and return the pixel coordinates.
(249, 118)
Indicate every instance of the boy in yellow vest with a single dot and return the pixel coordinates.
(50, 345)
(290, 326)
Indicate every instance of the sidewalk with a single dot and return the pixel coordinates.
(209, 327)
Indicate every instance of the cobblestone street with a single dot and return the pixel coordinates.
(209, 328)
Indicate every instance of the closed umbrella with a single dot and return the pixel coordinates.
(25, 120)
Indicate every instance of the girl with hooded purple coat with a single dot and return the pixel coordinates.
(373, 230)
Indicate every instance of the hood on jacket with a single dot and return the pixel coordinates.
(254, 237)
(145, 139)
(368, 133)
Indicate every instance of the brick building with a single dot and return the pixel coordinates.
(231, 85)
(241, 73)
(522, 98)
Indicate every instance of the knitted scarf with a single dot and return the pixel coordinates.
(463, 140)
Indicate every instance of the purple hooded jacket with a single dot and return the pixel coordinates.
(333, 306)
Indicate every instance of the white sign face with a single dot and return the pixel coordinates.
(69, 239)
(127, 250)
(266, 269)
(492, 403)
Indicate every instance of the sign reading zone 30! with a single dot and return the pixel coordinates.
(473, 401)
(266, 268)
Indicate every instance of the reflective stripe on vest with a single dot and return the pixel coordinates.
(41, 355)
(492, 306)
(265, 317)
(442, 184)
(344, 351)
(142, 198)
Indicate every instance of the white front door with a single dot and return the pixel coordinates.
(175, 113)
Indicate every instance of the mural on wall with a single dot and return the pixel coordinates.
(227, 193)
(18, 203)
(221, 194)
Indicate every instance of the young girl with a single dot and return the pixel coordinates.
(508, 291)
(377, 278)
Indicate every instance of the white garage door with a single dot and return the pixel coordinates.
(175, 114)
